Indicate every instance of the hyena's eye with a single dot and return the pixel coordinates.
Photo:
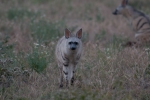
(76, 43)
(70, 42)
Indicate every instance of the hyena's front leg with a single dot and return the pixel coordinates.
(65, 72)
(72, 79)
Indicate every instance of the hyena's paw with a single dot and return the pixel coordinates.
(61, 85)
(72, 81)
(129, 44)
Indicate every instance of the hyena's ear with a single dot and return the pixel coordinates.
(124, 3)
(67, 33)
(79, 34)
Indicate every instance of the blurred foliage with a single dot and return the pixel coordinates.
(77, 94)
(40, 1)
(141, 5)
(10, 65)
(38, 59)
(145, 96)
(18, 14)
(147, 70)
(114, 45)
(43, 31)
(101, 36)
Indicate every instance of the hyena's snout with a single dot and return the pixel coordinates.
(73, 45)
(115, 12)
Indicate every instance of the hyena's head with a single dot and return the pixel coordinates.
(122, 8)
(73, 42)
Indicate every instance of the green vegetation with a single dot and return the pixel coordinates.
(43, 31)
(19, 14)
(38, 59)
(101, 36)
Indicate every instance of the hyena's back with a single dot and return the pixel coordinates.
(141, 25)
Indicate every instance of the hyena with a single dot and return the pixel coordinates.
(68, 52)
(139, 21)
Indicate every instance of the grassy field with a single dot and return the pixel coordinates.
(29, 31)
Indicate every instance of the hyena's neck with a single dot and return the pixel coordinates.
(72, 56)
(71, 53)
(132, 13)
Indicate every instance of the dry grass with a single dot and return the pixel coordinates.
(107, 71)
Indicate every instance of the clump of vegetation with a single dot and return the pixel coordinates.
(43, 31)
(38, 60)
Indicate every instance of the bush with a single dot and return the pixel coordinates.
(38, 60)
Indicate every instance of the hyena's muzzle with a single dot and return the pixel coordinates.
(73, 45)
(115, 12)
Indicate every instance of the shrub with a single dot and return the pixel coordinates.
(38, 60)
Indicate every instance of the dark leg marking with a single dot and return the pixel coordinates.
(65, 65)
(66, 73)
(61, 85)
(61, 82)
(67, 82)
(72, 80)
(61, 79)
(64, 58)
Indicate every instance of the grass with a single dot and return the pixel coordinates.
(99, 17)
(43, 31)
(38, 59)
(40, 1)
(139, 6)
(18, 14)
(29, 31)
(101, 36)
